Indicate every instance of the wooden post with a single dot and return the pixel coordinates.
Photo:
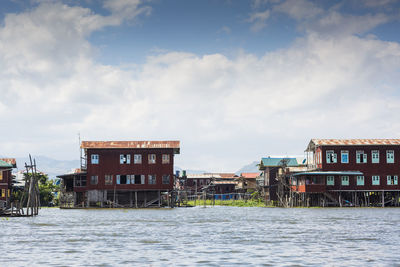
(159, 198)
(136, 204)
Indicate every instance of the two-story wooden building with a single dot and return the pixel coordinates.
(121, 174)
(352, 172)
(6, 166)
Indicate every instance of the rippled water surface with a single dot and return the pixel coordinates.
(203, 236)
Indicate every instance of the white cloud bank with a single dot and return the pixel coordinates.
(226, 111)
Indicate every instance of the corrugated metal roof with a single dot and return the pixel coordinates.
(340, 142)
(225, 182)
(10, 161)
(250, 174)
(275, 162)
(4, 164)
(130, 144)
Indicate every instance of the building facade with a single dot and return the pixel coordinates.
(121, 174)
(6, 166)
(351, 172)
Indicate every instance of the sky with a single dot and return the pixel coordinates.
(232, 80)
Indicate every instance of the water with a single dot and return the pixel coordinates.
(212, 236)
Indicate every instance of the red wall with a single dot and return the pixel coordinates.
(5, 183)
(109, 164)
(368, 169)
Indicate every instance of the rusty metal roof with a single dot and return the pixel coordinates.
(250, 175)
(130, 144)
(351, 142)
(10, 161)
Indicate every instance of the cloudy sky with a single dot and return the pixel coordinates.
(232, 80)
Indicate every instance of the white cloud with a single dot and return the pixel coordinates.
(299, 9)
(226, 111)
(259, 20)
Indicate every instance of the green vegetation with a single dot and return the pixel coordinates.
(47, 188)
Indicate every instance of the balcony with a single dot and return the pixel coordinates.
(310, 188)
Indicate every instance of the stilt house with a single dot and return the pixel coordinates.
(121, 174)
(6, 166)
(350, 172)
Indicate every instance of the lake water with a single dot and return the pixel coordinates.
(211, 236)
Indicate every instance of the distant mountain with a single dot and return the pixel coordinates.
(50, 166)
(252, 167)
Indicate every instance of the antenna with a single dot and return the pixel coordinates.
(80, 150)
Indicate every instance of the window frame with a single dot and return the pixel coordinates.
(358, 157)
(94, 180)
(165, 159)
(343, 181)
(164, 179)
(359, 180)
(330, 180)
(108, 178)
(94, 159)
(152, 179)
(390, 160)
(137, 158)
(392, 180)
(332, 156)
(152, 160)
(375, 156)
(342, 153)
(376, 180)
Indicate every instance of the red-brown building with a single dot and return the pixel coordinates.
(354, 172)
(121, 174)
(6, 166)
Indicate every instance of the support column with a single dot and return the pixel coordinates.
(130, 199)
(383, 199)
(159, 198)
(136, 205)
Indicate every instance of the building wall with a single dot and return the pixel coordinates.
(5, 184)
(369, 169)
(109, 164)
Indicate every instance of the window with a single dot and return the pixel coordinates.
(152, 158)
(375, 156)
(331, 157)
(361, 157)
(137, 159)
(95, 159)
(152, 179)
(375, 180)
(108, 179)
(124, 159)
(1, 175)
(3, 193)
(330, 180)
(345, 180)
(360, 180)
(392, 180)
(137, 179)
(389, 156)
(94, 179)
(165, 179)
(123, 179)
(165, 158)
(80, 181)
(345, 156)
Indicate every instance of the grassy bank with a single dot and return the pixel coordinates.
(235, 203)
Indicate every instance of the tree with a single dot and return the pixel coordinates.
(46, 189)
